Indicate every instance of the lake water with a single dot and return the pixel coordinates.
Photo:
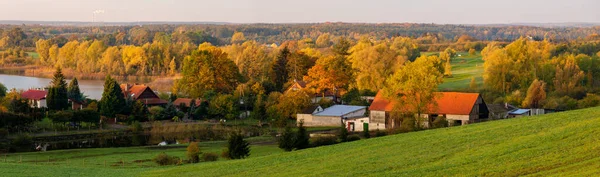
(91, 88)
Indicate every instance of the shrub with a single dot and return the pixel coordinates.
(302, 137)
(237, 147)
(225, 154)
(353, 138)
(23, 143)
(163, 159)
(323, 141)
(286, 140)
(366, 133)
(343, 134)
(440, 122)
(209, 157)
(193, 153)
(380, 133)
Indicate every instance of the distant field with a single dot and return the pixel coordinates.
(463, 68)
(33, 54)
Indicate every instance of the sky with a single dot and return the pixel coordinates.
(307, 11)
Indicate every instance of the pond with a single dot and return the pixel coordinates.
(91, 88)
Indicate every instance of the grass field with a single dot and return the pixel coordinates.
(550, 145)
(126, 161)
(463, 68)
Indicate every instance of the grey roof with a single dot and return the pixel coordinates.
(339, 110)
(519, 111)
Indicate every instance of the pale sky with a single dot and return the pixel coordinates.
(307, 11)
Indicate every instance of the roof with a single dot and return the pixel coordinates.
(499, 108)
(309, 110)
(447, 103)
(134, 90)
(339, 110)
(153, 101)
(34, 94)
(186, 101)
(519, 111)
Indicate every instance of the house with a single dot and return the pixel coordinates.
(458, 108)
(140, 92)
(316, 97)
(37, 99)
(333, 116)
(500, 111)
(530, 112)
(186, 102)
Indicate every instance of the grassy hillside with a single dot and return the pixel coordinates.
(560, 144)
(463, 68)
(555, 144)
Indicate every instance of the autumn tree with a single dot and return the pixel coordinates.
(473, 84)
(567, 80)
(415, 86)
(324, 40)
(238, 38)
(208, 68)
(535, 94)
(43, 48)
(330, 73)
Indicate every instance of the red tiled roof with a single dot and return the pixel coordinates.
(186, 101)
(135, 90)
(447, 103)
(34, 94)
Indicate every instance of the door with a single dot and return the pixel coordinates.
(366, 127)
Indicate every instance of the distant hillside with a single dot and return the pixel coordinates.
(555, 144)
(76, 23)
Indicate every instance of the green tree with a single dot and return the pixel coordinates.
(57, 98)
(73, 91)
(237, 147)
(113, 100)
(302, 137)
(2, 90)
(343, 133)
(139, 111)
(279, 69)
(224, 106)
(286, 140)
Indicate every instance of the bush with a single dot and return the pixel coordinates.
(225, 154)
(286, 140)
(23, 143)
(237, 147)
(380, 133)
(343, 134)
(440, 122)
(366, 133)
(193, 153)
(353, 138)
(163, 159)
(209, 157)
(323, 141)
(302, 137)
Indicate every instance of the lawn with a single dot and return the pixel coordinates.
(463, 68)
(117, 161)
(556, 144)
(550, 145)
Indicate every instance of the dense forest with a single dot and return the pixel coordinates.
(532, 67)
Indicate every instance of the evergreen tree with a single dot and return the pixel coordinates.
(139, 111)
(73, 91)
(302, 137)
(57, 98)
(286, 140)
(279, 69)
(113, 100)
(237, 147)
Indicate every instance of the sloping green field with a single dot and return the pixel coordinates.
(560, 144)
(463, 68)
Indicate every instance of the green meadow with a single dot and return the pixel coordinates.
(464, 67)
(559, 144)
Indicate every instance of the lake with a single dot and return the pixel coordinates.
(91, 88)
